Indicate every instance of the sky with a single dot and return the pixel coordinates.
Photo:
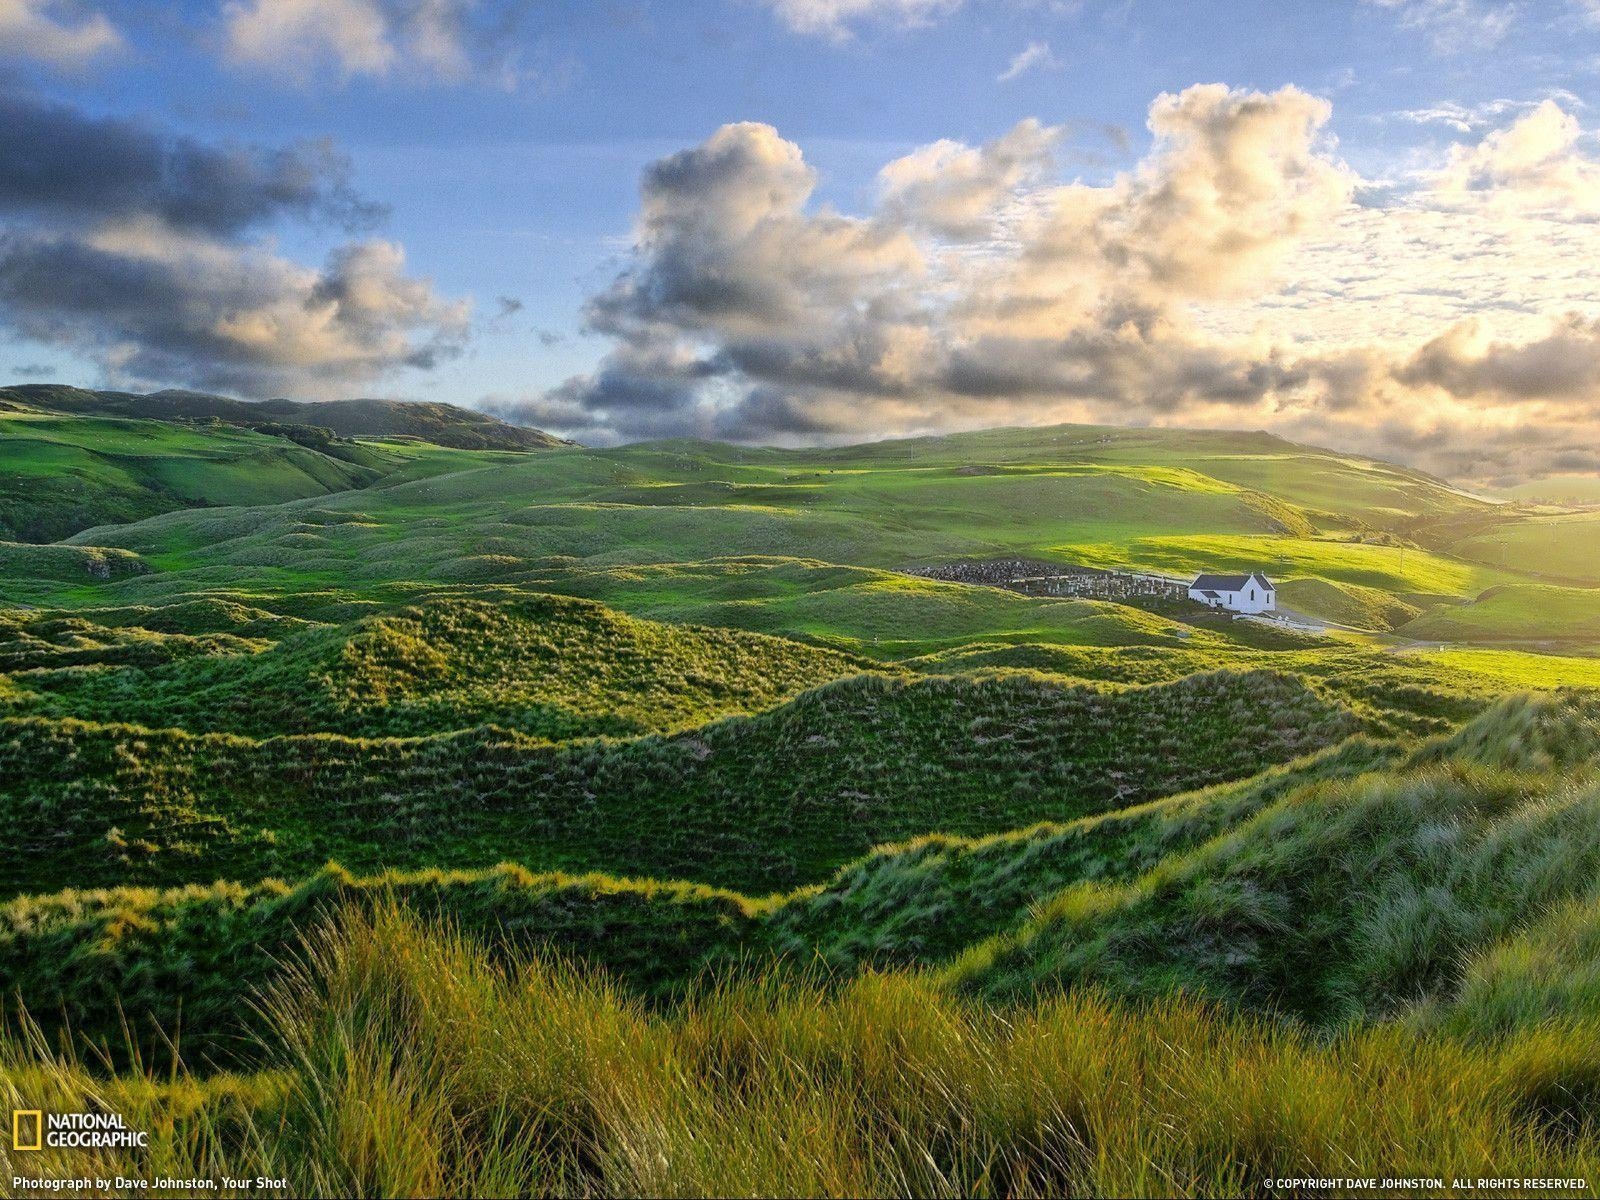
(1372, 225)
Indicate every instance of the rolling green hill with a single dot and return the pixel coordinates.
(72, 459)
(673, 529)
(441, 424)
(1559, 547)
(62, 474)
(1519, 614)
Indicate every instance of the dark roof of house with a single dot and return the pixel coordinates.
(1229, 583)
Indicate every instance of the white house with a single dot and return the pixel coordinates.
(1237, 593)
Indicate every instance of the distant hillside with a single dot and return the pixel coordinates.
(441, 424)
(1558, 489)
(71, 460)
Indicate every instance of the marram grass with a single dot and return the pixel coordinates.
(409, 1063)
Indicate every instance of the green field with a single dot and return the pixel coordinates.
(1555, 546)
(408, 818)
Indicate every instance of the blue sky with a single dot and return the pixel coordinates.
(508, 143)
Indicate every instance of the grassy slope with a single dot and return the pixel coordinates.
(1348, 898)
(546, 666)
(1556, 616)
(1346, 603)
(62, 474)
(1559, 547)
(758, 803)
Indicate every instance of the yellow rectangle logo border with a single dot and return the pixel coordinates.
(16, 1128)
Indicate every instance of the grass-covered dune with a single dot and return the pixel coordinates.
(408, 1062)
(1359, 883)
(758, 803)
(1346, 603)
(1350, 898)
(75, 565)
(547, 666)
(101, 961)
(167, 963)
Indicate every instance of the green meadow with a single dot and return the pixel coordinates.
(415, 809)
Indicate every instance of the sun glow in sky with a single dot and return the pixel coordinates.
(1372, 224)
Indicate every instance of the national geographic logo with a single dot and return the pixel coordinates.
(27, 1129)
(34, 1129)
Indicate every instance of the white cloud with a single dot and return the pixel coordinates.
(422, 39)
(55, 33)
(1463, 118)
(1454, 26)
(1535, 162)
(1033, 55)
(959, 190)
(837, 18)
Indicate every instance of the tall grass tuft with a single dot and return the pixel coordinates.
(411, 1063)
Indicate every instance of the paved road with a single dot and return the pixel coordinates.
(1306, 623)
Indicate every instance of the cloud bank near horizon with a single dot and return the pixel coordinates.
(1240, 274)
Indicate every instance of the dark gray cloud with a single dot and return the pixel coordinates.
(223, 317)
(57, 163)
(138, 249)
(1564, 363)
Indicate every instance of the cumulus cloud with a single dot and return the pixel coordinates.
(836, 19)
(1035, 55)
(957, 190)
(1536, 161)
(147, 253)
(56, 32)
(450, 41)
(1237, 275)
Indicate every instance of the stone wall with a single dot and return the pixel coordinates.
(1034, 577)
